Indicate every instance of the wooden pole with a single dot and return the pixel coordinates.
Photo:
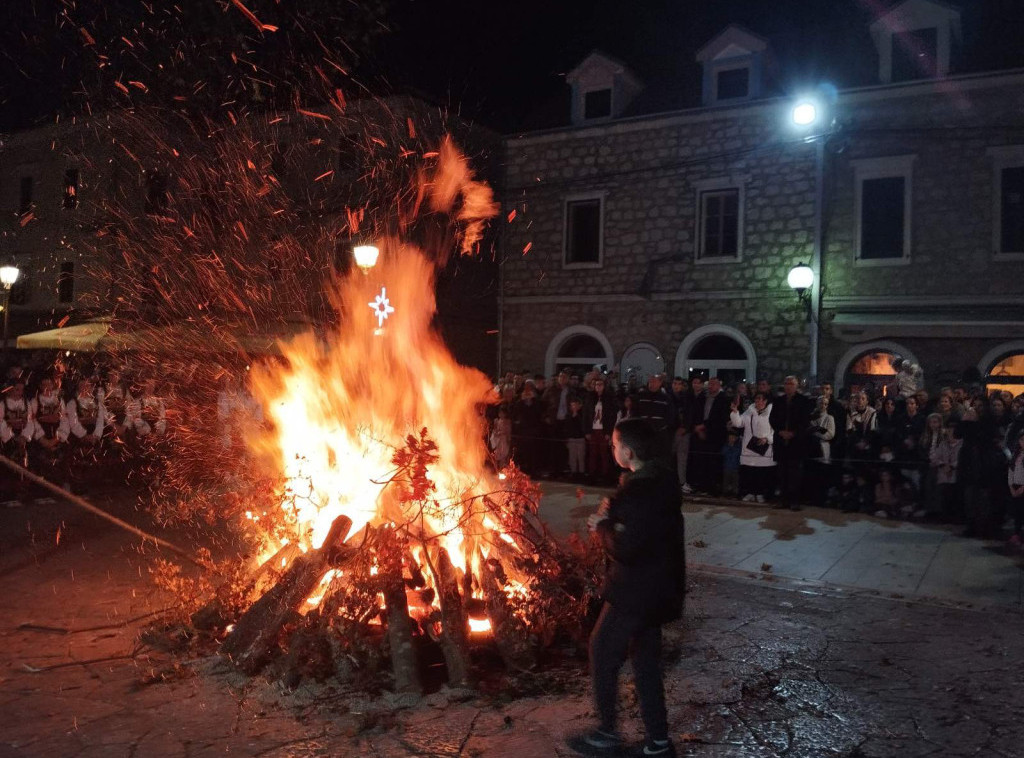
(86, 505)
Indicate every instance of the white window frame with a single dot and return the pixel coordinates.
(611, 104)
(684, 363)
(1003, 157)
(712, 185)
(576, 198)
(887, 167)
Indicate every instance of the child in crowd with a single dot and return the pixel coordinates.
(642, 533)
(501, 438)
(576, 439)
(731, 452)
(945, 458)
(887, 496)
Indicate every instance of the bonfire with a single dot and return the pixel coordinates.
(389, 534)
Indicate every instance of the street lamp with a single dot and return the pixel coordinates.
(8, 276)
(366, 256)
(800, 280)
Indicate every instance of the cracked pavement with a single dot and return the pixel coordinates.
(760, 667)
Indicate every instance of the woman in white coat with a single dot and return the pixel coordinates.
(757, 466)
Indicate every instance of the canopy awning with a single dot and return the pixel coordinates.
(101, 335)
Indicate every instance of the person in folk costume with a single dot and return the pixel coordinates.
(85, 422)
(148, 413)
(16, 427)
(50, 424)
(115, 398)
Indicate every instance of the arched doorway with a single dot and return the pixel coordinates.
(639, 362)
(577, 348)
(717, 350)
(1002, 369)
(868, 367)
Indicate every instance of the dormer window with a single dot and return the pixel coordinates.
(597, 103)
(733, 84)
(602, 89)
(915, 55)
(915, 40)
(734, 63)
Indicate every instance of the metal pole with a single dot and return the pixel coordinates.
(7, 309)
(816, 257)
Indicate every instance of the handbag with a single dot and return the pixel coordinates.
(758, 447)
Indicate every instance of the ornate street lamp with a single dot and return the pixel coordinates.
(8, 276)
(800, 280)
(366, 256)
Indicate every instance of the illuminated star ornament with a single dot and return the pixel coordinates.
(381, 307)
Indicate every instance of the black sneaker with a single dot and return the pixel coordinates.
(596, 743)
(657, 748)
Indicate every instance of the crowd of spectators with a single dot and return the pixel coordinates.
(956, 456)
(68, 420)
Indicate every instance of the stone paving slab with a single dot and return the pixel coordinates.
(761, 666)
(924, 561)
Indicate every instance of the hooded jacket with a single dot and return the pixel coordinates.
(645, 543)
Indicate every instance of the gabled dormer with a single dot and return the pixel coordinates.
(734, 66)
(915, 40)
(602, 88)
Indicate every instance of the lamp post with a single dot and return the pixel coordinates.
(814, 117)
(8, 276)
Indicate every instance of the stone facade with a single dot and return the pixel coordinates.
(651, 287)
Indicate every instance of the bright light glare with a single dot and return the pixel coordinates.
(805, 113)
(366, 256)
(800, 277)
(8, 275)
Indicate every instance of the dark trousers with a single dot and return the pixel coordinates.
(704, 467)
(790, 468)
(1017, 511)
(616, 636)
(757, 480)
(599, 458)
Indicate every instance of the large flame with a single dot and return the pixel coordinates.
(341, 407)
(340, 410)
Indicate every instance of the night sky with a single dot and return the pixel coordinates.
(502, 63)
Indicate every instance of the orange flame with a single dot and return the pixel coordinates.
(341, 408)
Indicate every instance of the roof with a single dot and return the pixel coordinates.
(810, 42)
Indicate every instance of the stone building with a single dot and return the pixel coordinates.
(661, 240)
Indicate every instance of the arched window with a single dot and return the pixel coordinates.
(868, 366)
(639, 362)
(717, 350)
(1003, 368)
(577, 348)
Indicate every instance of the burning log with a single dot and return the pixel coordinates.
(509, 632)
(453, 622)
(251, 644)
(400, 627)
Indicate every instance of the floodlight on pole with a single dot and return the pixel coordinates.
(804, 113)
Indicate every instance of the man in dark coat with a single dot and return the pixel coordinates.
(641, 529)
(710, 419)
(790, 419)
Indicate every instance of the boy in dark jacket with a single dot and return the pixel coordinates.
(641, 529)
